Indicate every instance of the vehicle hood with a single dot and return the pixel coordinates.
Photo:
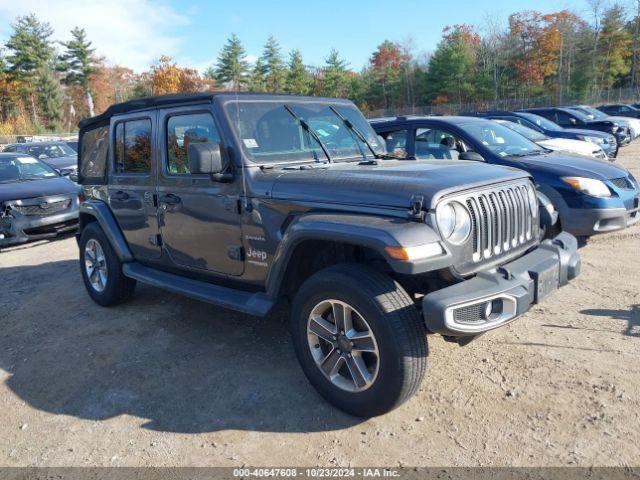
(37, 188)
(572, 146)
(390, 183)
(62, 162)
(568, 165)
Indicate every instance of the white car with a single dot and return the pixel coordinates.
(567, 145)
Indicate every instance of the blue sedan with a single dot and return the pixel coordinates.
(591, 196)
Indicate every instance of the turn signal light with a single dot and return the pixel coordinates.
(414, 253)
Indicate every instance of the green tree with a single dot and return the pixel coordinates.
(274, 73)
(614, 48)
(78, 64)
(30, 53)
(257, 79)
(451, 73)
(29, 47)
(298, 78)
(232, 66)
(49, 99)
(335, 81)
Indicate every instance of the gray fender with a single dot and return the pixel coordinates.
(102, 213)
(362, 230)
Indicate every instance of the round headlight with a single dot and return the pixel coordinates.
(454, 222)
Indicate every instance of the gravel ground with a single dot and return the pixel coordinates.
(167, 381)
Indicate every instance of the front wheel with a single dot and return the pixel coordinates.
(101, 268)
(359, 339)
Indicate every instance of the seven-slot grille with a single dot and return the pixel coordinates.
(43, 208)
(502, 219)
(622, 182)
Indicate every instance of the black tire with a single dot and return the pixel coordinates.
(118, 288)
(394, 321)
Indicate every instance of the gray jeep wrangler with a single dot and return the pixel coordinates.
(242, 200)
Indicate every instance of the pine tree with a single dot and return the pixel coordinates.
(78, 63)
(257, 79)
(335, 75)
(298, 79)
(49, 99)
(30, 56)
(273, 65)
(232, 64)
(29, 46)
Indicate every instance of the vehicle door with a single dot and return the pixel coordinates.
(132, 182)
(199, 216)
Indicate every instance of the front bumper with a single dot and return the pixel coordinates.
(591, 221)
(461, 310)
(17, 228)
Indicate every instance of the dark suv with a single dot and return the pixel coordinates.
(243, 200)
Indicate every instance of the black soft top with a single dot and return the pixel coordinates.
(147, 103)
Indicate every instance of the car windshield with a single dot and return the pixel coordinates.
(524, 131)
(541, 121)
(270, 133)
(16, 169)
(501, 140)
(50, 151)
(585, 113)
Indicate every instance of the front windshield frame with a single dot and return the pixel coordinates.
(514, 144)
(37, 150)
(325, 124)
(43, 171)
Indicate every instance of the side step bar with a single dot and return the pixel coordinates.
(257, 304)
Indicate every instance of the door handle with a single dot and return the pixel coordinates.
(120, 195)
(170, 198)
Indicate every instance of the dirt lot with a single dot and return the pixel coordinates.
(164, 380)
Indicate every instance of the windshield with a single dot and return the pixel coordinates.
(524, 131)
(16, 169)
(269, 133)
(582, 113)
(501, 140)
(50, 151)
(541, 121)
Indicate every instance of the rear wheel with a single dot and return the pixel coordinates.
(101, 268)
(359, 339)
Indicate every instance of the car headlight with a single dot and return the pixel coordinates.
(590, 186)
(586, 138)
(454, 222)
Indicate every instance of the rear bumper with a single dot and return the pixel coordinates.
(461, 310)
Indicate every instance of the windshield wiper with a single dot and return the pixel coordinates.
(305, 126)
(351, 126)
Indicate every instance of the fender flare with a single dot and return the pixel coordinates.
(358, 230)
(105, 218)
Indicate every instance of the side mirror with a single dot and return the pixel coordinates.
(73, 176)
(42, 156)
(206, 158)
(471, 155)
(572, 121)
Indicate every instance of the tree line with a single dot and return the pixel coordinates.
(50, 86)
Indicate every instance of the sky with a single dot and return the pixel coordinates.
(135, 33)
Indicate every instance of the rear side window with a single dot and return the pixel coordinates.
(133, 147)
(93, 154)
